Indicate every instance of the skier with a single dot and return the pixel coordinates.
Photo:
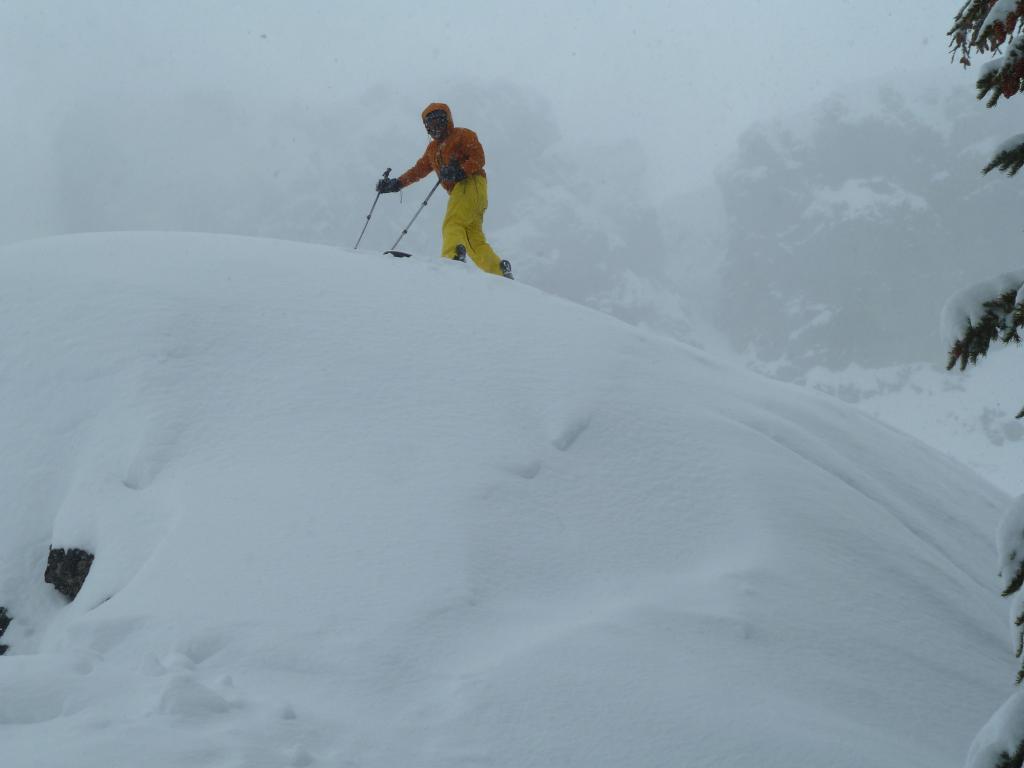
(457, 157)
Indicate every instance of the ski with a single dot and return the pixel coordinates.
(460, 255)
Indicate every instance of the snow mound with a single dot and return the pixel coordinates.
(350, 510)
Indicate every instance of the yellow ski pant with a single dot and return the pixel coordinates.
(464, 223)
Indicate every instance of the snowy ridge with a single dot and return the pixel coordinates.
(967, 414)
(350, 510)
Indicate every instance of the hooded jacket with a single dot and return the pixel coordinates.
(458, 144)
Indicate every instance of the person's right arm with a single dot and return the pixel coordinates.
(418, 171)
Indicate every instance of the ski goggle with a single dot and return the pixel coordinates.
(436, 119)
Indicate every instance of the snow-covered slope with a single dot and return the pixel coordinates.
(969, 415)
(356, 511)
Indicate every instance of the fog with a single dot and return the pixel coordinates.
(851, 224)
(795, 181)
(680, 79)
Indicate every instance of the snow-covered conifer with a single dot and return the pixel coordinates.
(991, 310)
(986, 26)
(1000, 744)
(996, 27)
(1000, 317)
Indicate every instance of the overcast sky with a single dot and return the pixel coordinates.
(683, 77)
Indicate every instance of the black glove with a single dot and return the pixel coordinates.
(452, 173)
(389, 185)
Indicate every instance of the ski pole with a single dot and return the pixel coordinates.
(406, 230)
(386, 174)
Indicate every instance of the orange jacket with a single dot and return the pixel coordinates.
(458, 144)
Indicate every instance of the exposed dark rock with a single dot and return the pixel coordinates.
(5, 622)
(3, 649)
(67, 569)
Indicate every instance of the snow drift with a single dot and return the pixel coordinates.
(356, 511)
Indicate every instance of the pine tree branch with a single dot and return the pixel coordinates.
(1016, 760)
(976, 29)
(973, 32)
(1001, 320)
(1003, 77)
(1015, 584)
(1009, 160)
(1019, 624)
(967, 27)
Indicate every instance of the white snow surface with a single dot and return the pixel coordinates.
(350, 510)
(969, 414)
(1002, 735)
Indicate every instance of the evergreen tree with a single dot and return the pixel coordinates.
(994, 27)
(996, 311)
(1000, 317)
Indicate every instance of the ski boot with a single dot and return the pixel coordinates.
(460, 253)
(506, 269)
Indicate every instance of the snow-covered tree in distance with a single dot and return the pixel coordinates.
(986, 26)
